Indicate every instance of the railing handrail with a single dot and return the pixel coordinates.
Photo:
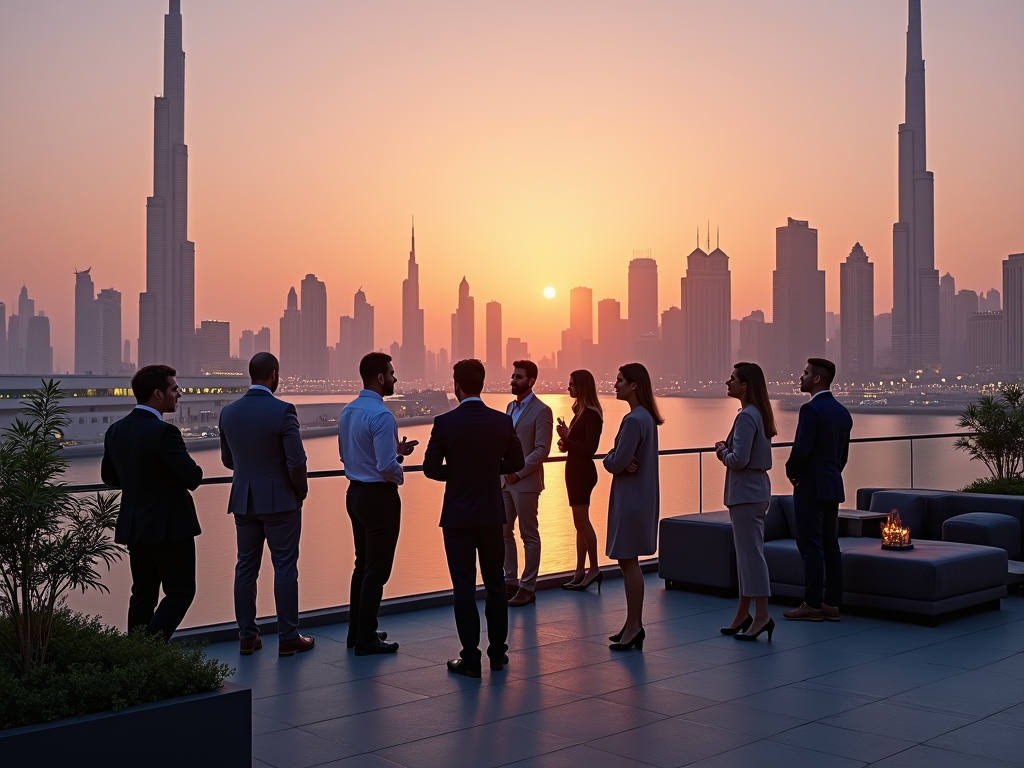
(322, 473)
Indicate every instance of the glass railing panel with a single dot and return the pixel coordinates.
(938, 465)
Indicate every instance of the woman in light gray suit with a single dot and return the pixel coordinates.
(747, 455)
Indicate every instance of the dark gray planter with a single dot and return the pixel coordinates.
(204, 729)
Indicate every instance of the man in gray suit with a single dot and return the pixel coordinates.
(521, 490)
(260, 442)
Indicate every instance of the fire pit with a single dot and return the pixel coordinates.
(894, 535)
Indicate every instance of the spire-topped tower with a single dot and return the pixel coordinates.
(167, 307)
(915, 283)
(414, 352)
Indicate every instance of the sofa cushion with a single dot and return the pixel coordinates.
(785, 566)
(784, 504)
(912, 508)
(864, 497)
(776, 522)
(951, 505)
(987, 529)
(698, 549)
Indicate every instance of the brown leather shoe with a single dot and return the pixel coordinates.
(804, 613)
(291, 647)
(247, 645)
(829, 613)
(511, 590)
(522, 597)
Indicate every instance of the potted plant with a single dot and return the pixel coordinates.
(997, 424)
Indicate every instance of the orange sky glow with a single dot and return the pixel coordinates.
(537, 144)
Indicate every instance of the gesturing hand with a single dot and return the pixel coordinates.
(561, 445)
(561, 428)
(634, 465)
(512, 478)
(406, 446)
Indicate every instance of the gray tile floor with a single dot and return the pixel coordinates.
(865, 691)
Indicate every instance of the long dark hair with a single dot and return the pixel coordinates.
(757, 393)
(635, 373)
(586, 392)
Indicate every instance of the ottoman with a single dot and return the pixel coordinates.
(989, 529)
(698, 550)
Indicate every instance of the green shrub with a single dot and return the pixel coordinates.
(92, 668)
(1007, 486)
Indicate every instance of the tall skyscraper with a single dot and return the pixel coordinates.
(757, 342)
(495, 365)
(246, 346)
(414, 351)
(85, 330)
(966, 307)
(4, 363)
(126, 356)
(857, 315)
(883, 341)
(313, 347)
(986, 343)
(38, 352)
(362, 328)
(642, 306)
(798, 299)
(516, 349)
(213, 346)
(261, 340)
(611, 336)
(1013, 311)
(463, 325)
(673, 346)
(107, 329)
(290, 335)
(915, 281)
(947, 323)
(579, 336)
(706, 296)
(167, 307)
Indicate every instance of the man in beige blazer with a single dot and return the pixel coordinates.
(521, 490)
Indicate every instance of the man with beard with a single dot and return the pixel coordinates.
(369, 448)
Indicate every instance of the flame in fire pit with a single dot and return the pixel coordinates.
(893, 532)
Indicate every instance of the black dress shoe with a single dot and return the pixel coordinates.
(379, 647)
(460, 667)
(497, 666)
(351, 643)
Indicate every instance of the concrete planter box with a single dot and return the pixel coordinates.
(204, 729)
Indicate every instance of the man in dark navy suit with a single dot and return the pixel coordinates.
(470, 448)
(815, 468)
(146, 458)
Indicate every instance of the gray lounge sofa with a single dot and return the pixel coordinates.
(934, 578)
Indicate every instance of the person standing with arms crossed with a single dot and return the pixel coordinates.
(815, 468)
(521, 490)
(369, 448)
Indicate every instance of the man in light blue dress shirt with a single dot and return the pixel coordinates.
(372, 454)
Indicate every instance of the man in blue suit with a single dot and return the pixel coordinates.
(470, 448)
(815, 468)
(260, 443)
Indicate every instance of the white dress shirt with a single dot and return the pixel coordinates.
(368, 440)
(154, 411)
(519, 407)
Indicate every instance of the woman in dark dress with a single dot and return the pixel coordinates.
(579, 440)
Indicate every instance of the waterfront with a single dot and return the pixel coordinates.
(326, 555)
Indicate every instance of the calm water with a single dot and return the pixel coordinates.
(325, 563)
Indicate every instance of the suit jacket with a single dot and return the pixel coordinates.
(533, 427)
(470, 448)
(146, 458)
(747, 458)
(260, 443)
(821, 448)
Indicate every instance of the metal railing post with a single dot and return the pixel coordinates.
(911, 463)
(700, 482)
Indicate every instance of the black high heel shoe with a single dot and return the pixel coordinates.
(638, 641)
(616, 637)
(735, 630)
(770, 627)
(584, 585)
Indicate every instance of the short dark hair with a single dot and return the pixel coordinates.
(148, 379)
(822, 367)
(372, 365)
(528, 366)
(469, 375)
(262, 365)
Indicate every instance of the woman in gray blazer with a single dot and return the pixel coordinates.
(747, 455)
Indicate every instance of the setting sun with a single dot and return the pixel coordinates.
(549, 292)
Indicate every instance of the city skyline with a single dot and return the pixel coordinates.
(559, 245)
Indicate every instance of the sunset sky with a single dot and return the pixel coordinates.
(536, 143)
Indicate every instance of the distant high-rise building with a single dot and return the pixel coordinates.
(642, 303)
(313, 346)
(706, 296)
(611, 336)
(915, 281)
(579, 336)
(463, 325)
(947, 324)
(431, 374)
(17, 335)
(966, 306)
(516, 349)
(1013, 311)
(107, 325)
(246, 345)
(495, 364)
(757, 342)
(413, 349)
(167, 307)
(290, 335)
(990, 301)
(261, 340)
(126, 356)
(356, 337)
(798, 299)
(444, 366)
(986, 345)
(213, 346)
(4, 363)
(857, 315)
(673, 347)
(85, 329)
(38, 352)
(883, 341)
(832, 335)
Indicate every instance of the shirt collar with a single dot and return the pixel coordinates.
(260, 387)
(370, 393)
(470, 399)
(821, 393)
(154, 411)
(516, 405)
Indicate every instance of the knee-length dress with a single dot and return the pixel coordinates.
(635, 500)
(580, 446)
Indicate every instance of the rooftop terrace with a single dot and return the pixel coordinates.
(865, 691)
